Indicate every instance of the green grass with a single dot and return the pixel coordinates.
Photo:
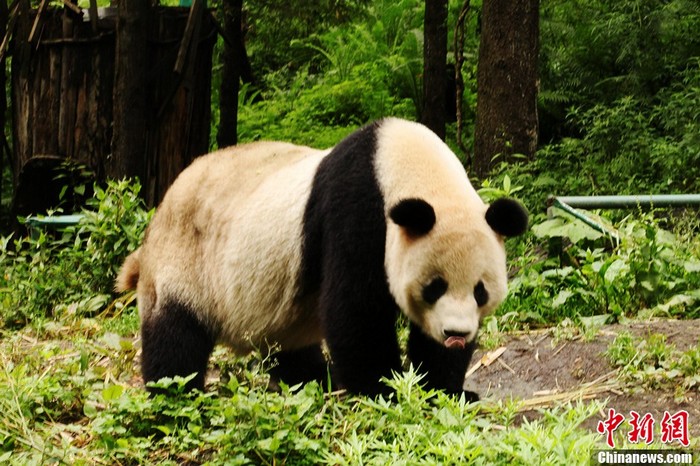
(70, 392)
(653, 363)
(69, 395)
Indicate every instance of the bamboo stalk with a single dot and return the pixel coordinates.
(37, 19)
(93, 16)
(9, 29)
(72, 6)
(602, 384)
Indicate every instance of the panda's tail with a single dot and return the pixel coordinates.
(129, 273)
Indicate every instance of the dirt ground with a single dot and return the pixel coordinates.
(534, 369)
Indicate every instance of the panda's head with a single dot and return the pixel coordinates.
(447, 268)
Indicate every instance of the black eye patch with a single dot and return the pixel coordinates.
(480, 294)
(434, 290)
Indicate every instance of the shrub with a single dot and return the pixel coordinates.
(74, 270)
(650, 272)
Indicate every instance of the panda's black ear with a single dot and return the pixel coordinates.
(416, 216)
(507, 217)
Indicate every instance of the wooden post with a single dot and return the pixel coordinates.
(131, 106)
(506, 106)
(233, 58)
(4, 19)
(434, 66)
(93, 16)
(65, 96)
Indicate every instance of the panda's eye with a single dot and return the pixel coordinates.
(480, 294)
(434, 290)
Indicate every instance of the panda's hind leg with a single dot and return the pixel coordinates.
(174, 343)
(299, 366)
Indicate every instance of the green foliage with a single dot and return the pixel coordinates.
(651, 362)
(651, 272)
(97, 417)
(490, 191)
(273, 26)
(620, 85)
(355, 73)
(46, 381)
(72, 271)
(599, 51)
(348, 103)
(630, 146)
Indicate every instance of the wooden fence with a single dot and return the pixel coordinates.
(62, 98)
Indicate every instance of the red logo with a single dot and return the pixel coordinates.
(674, 427)
(642, 428)
(609, 426)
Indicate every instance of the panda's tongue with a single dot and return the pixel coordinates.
(455, 342)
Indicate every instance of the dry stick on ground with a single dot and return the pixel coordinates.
(606, 383)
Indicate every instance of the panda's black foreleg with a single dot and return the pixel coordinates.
(443, 368)
(300, 366)
(361, 338)
(174, 342)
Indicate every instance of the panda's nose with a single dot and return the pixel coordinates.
(455, 333)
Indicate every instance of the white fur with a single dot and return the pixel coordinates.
(462, 248)
(240, 274)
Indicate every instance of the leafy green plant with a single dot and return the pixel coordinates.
(651, 362)
(490, 191)
(650, 272)
(74, 271)
(46, 379)
(359, 72)
(67, 398)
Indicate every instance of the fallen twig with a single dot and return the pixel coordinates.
(606, 383)
(486, 360)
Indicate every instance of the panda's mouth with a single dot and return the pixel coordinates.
(455, 342)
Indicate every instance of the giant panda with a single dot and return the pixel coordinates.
(274, 243)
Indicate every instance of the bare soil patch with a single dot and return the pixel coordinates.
(542, 372)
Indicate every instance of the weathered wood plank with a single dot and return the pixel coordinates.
(63, 94)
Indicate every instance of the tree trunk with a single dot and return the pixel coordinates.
(434, 66)
(4, 18)
(131, 106)
(506, 106)
(459, 80)
(227, 134)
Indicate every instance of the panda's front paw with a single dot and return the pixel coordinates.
(470, 397)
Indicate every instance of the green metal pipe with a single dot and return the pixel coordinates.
(53, 222)
(558, 204)
(50, 222)
(623, 202)
(567, 204)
